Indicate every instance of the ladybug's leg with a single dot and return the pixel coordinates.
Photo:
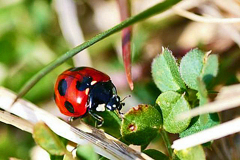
(71, 119)
(99, 119)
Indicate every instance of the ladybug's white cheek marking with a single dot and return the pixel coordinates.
(79, 100)
(100, 108)
(93, 82)
(86, 91)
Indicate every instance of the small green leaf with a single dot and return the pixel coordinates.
(210, 68)
(48, 140)
(197, 64)
(172, 104)
(192, 153)
(141, 124)
(155, 154)
(191, 67)
(86, 152)
(166, 74)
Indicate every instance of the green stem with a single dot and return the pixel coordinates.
(160, 7)
(167, 142)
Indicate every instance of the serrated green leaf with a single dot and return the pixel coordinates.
(172, 104)
(48, 140)
(192, 153)
(197, 64)
(191, 67)
(86, 152)
(155, 154)
(141, 124)
(210, 68)
(200, 123)
(166, 74)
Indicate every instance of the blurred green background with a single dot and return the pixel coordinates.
(35, 32)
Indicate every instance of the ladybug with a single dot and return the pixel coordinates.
(83, 90)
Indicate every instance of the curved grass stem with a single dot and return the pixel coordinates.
(158, 8)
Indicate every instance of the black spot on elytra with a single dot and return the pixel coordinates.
(62, 87)
(77, 69)
(86, 83)
(69, 107)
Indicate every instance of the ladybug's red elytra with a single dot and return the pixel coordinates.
(83, 90)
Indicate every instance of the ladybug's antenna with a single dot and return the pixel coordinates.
(125, 98)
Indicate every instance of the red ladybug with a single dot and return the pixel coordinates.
(85, 90)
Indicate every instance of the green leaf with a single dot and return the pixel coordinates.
(158, 8)
(191, 67)
(165, 72)
(210, 68)
(172, 104)
(192, 153)
(53, 157)
(48, 140)
(103, 158)
(112, 123)
(203, 121)
(141, 124)
(155, 154)
(197, 64)
(86, 152)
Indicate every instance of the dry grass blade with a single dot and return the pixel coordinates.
(229, 97)
(13, 120)
(103, 144)
(207, 135)
(197, 18)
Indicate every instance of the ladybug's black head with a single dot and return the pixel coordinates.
(114, 103)
(104, 95)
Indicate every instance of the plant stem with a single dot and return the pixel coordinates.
(158, 8)
(167, 142)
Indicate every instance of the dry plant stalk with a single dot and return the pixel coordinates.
(203, 19)
(207, 135)
(18, 122)
(228, 97)
(102, 143)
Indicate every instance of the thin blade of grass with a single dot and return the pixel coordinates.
(158, 8)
